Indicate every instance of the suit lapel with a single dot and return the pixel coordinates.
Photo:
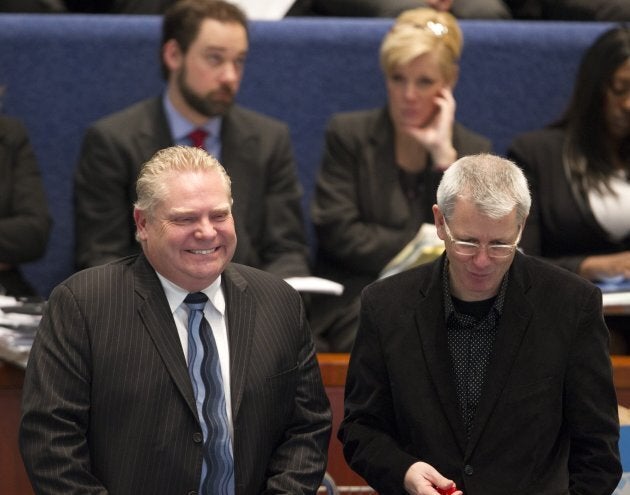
(153, 133)
(383, 171)
(154, 311)
(433, 335)
(241, 322)
(238, 147)
(517, 312)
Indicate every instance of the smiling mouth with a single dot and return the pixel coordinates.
(202, 251)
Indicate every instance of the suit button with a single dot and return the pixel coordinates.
(197, 437)
(468, 469)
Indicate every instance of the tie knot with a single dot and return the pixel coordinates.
(198, 138)
(196, 300)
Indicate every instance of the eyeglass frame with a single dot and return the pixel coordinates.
(478, 245)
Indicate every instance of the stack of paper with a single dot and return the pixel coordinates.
(424, 247)
(18, 324)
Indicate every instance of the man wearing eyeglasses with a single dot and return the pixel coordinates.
(487, 371)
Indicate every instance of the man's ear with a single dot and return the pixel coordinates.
(172, 55)
(140, 218)
(438, 219)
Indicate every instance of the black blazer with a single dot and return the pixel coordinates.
(561, 226)
(360, 212)
(255, 151)
(24, 219)
(108, 402)
(546, 423)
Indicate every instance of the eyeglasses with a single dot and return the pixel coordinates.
(464, 248)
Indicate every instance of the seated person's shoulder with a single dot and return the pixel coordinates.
(357, 118)
(129, 117)
(468, 141)
(245, 116)
(551, 276)
(545, 135)
(11, 128)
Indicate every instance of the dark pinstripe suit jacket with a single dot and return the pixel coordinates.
(108, 406)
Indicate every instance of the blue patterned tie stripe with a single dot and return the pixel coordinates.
(217, 473)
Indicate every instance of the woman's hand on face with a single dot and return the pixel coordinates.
(441, 5)
(437, 135)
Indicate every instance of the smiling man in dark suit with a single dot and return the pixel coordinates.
(204, 47)
(486, 369)
(119, 397)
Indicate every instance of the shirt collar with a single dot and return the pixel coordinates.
(181, 127)
(175, 295)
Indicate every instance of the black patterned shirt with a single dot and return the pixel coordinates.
(472, 330)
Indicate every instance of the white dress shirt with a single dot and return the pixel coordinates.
(214, 312)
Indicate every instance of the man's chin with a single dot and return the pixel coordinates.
(211, 109)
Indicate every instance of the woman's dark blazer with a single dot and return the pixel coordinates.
(561, 225)
(361, 215)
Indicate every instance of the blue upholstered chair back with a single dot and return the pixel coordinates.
(62, 72)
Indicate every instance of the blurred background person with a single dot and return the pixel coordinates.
(381, 167)
(24, 219)
(204, 50)
(577, 10)
(579, 169)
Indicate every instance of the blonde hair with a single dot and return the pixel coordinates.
(419, 31)
(153, 178)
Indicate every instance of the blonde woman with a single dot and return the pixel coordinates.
(381, 167)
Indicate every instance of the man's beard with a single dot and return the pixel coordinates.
(208, 105)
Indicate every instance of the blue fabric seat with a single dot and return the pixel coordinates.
(62, 72)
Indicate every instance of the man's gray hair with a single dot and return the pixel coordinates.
(494, 185)
(154, 175)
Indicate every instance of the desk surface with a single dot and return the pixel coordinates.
(616, 310)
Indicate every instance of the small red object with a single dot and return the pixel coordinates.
(448, 491)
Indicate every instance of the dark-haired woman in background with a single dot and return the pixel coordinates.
(24, 220)
(579, 169)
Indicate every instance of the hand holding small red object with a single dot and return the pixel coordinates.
(447, 491)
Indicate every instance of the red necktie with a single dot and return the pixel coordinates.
(198, 138)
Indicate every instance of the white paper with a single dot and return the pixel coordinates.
(315, 284)
(264, 9)
(616, 299)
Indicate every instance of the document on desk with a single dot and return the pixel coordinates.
(315, 284)
(615, 291)
(18, 325)
(616, 298)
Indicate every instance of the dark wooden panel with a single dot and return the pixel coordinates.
(13, 479)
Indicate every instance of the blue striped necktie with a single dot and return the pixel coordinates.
(217, 472)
